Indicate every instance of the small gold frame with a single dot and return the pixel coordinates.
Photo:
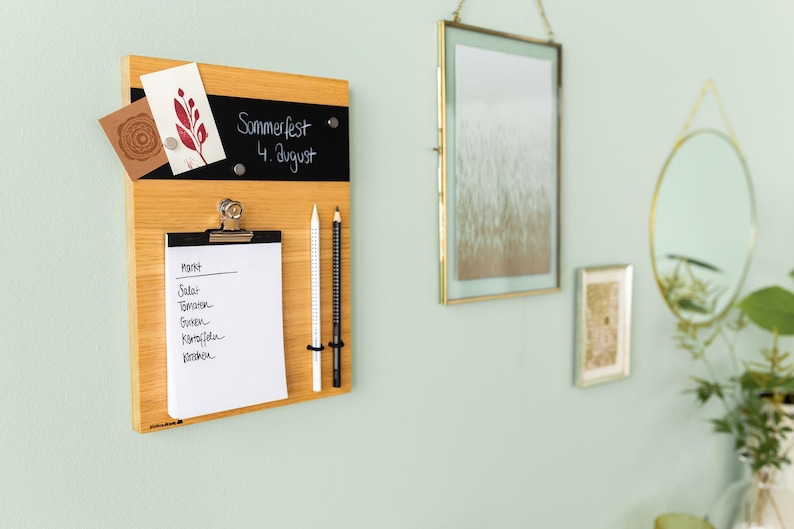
(499, 228)
(603, 330)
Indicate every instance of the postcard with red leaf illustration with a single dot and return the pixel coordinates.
(184, 119)
(133, 134)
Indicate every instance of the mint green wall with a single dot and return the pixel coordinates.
(460, 417)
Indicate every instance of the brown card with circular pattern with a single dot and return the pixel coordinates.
(133, 134)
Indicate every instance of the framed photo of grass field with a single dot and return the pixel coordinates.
(499, 150)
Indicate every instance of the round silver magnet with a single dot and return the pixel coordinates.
(333, 122)
(239, 169)
(170, 143)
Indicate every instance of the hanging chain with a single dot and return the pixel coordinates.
(546, 25)
(709, 86)
(456, 17)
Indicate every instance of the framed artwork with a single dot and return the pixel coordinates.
(603, 333)
(499, 164)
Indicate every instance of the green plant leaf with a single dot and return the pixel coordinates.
(695, 262)
(692, 306)
(705, 390)
(771, 308)
(764, 382)
(722, 426)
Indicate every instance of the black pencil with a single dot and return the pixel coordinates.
(337, 302)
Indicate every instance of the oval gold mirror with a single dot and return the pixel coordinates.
(702, 226)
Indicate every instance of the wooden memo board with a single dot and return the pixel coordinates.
(272, 200)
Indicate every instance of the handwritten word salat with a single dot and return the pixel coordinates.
(188, 290)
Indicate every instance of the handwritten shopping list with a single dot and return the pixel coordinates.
(184, 118)
(224, 330)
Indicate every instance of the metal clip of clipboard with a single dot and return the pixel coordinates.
(230, 231)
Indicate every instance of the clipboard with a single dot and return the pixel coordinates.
(224, 323)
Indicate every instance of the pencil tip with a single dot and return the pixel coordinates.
(337, 208)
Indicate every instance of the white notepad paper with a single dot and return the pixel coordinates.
(224, 326)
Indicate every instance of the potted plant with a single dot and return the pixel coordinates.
(754, 398)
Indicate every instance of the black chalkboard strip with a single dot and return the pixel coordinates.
(273, 140)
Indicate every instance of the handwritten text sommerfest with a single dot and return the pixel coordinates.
(286, 130)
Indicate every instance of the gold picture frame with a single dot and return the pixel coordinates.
(603, 330)
(499, 164)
